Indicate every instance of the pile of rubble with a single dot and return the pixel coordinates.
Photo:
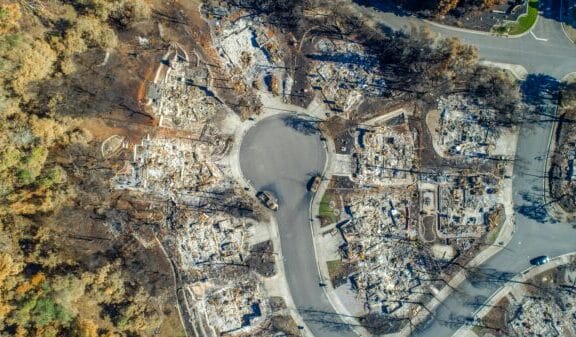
(180, 94)
(384, 155)
(538, 318)
(345, 73)
(214, 239)
(460, 128)
(563, 174)
(465, 203)
(237, 308)
(380, 239)
(546, 311)
(171, 166)
(250, 52)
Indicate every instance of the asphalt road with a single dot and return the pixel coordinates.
(277, 158)
(544, 51)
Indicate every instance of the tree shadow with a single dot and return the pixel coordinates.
(303, 125)
(392, 7)
(330, 321)
(539, 89)
(535, 208)
(489, 277)
(562, 11)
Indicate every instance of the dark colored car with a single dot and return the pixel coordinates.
(540, 260)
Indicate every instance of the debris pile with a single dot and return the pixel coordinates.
(461, 129)
(345, 73)
(170, 167)
(236, 308)
(211, 240)
(543, 305)
(384, 155)
(180, 94)
(380, 238)
(563, 174)
(251, 54)
(464, 205)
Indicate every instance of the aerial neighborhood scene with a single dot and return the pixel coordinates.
(307, 168)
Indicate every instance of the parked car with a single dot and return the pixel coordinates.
(315, 183)
(268, 200)
(540, 260)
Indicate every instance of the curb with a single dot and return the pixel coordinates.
(234, 162)
(483, 33)
(547, 165)
(562, 22)
(458, 29)
(328, 289)
(526, 274)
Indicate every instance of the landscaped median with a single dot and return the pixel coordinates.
(524, 23)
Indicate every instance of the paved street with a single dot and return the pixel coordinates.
(277, 158)
(547, 52)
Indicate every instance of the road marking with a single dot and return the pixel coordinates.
(538, 38)
(562, 22)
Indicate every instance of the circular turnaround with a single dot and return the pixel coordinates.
(280, 154)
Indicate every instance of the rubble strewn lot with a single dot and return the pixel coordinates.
(218, 268)
(403, 226)
(466, 205)
(250, 55)
(211, 239)
(379, 240)
(459, 128)
(385, 155)
(541, 306)
(167, 166)
(236, 308)
(250, 51)
(343, 72)
(179, 94)
(562, 174)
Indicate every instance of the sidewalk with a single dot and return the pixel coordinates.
(330, 292)
(505, 290)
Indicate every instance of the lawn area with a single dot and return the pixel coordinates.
(334, 268)
(493, 235)
(525, 21)
(339, 271)
(326, 212)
